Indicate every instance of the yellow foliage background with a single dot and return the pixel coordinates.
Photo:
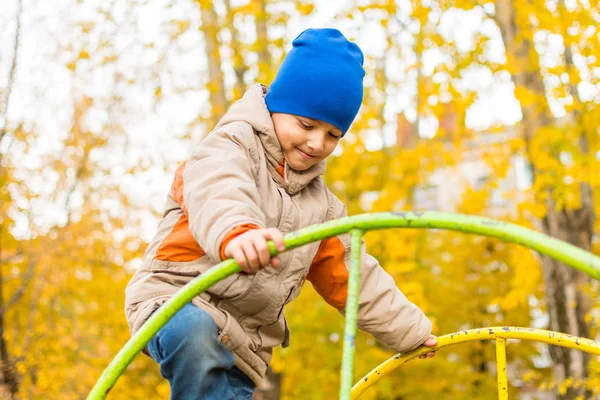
(99, 102)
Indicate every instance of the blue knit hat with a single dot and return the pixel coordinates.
(320, 78)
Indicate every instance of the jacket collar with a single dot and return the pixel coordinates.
(251, 108)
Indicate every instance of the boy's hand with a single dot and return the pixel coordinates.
(250, 249)
(430, 342)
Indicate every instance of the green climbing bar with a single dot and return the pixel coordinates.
(561, 251)
(351, 314)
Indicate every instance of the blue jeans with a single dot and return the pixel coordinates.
(196, 363)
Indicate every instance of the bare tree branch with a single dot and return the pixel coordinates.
(27, 277)
(11, 75)
(216, 86)
(9, 376)
(569, 64)
(239, 67)
(262, 43)
(10, 257)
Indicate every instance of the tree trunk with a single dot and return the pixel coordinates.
(9, 384)
(216, 83)
(566, 302)
(265, 73)
(5, 100)
(239, 67)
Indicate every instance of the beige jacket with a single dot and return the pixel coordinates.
(231, 179)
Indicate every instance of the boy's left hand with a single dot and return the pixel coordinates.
(430, 342)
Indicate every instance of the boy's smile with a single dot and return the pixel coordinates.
(305, 141)
(307, 156)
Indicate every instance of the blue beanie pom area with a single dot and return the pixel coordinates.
(320, 78)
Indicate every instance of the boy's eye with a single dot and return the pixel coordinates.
(305, 125)
(333, 135)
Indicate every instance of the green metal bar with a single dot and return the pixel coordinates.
(351, 315)
(139, 340)
(557, 249)
(561, 251)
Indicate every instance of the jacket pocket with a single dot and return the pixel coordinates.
(180, 273)
(274, 335)
(287, 223)
(138, 313)
(233, 287)
(294, 292)
(232, 335)
(183, 268)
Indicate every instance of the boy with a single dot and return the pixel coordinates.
(255, 177)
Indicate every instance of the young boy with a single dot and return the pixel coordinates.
(254, 178)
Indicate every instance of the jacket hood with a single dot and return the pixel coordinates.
(252, 109)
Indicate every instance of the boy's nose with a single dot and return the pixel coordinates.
(316, 145)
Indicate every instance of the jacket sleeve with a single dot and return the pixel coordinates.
(232, 234)
(220, 190)
(383, 310)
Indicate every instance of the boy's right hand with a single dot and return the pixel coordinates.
(430, 342)
(250, 249)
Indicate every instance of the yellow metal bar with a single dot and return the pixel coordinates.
(505, 332)
(501, 368)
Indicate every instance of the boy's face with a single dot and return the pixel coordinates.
(305, 141)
